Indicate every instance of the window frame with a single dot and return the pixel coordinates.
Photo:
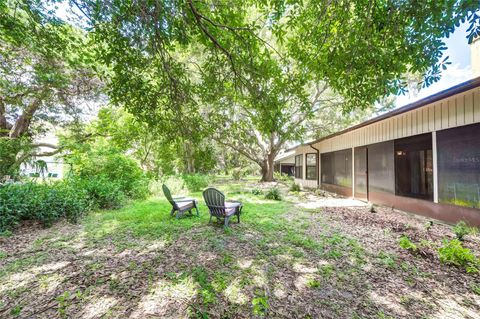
(299, 168)
(307, 166)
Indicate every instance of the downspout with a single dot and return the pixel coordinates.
(318, 164)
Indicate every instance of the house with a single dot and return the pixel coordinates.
(422, 158)
(285, 163)
(51, 167)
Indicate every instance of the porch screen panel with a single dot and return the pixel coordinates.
(381, 168)
(414, 167)
(361, 171)
(327, 168)
(343, 168)
(458, 153)
(337, 168)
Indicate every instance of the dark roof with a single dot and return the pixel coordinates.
(460, 88)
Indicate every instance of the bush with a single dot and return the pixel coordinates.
(282, 177)
(257, 191)
(273, 193)
(295, 187)
(114, 167)
(407, 244)
(101, 192)
(461, 229)
(196, 182)
(43, 202)
(237, 174)
(452, 252)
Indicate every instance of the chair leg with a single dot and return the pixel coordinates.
(238, 217)
(172, 212)
(179, 214)
(210, 220)
(196, 208)
(227, 219)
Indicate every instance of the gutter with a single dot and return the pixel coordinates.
(318, 163)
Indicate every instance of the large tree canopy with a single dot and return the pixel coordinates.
(45, 76)
(359, 48)
(245, 72)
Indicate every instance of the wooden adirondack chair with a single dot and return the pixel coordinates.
(180, 205)
(215, 201)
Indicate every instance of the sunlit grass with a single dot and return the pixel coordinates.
(233, 266)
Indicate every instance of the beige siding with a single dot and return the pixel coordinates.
(457, 110)
(476, 105)
(460, 109)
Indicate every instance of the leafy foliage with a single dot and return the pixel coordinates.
(407, 244)
(109, 165)
(282, 177)
(46, 76)
(273, 193)
(102, 192)
(461, 229)
(295, 187)
(257, 191)
(155, 150)
(196, 182)
(250, 74)
(452, 252)
(43, 202)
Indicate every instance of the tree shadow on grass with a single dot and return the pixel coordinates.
(139, 262)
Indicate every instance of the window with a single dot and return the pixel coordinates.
(458, 152)
(414, 167)
(299, 166)
(337, 168)
(311, 159)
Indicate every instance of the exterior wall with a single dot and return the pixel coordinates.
(460, 109)
(288, 160)
(455, 111)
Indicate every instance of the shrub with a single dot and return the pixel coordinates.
(407, 244)
(237, 174)
(452, 252)
(114, 167)
(273, 193)
(257, 191)
(461, 229)
(295, 187)
(282, 177)
(475, 288)
(196, 182)
(101, 192)
(43, 202)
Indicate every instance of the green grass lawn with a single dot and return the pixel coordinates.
(138, 262)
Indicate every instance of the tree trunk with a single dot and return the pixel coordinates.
(23, 122)
(267, 167)
(3, 119)
(189, 160)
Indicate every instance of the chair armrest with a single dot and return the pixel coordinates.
(185, 200)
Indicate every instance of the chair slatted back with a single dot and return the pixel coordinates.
(215, 201)
(168, 195)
